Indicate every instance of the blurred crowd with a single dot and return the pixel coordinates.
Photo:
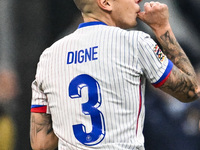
(28, 27)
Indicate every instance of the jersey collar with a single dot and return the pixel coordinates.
(86, 24)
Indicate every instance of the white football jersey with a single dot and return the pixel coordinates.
(92, 82)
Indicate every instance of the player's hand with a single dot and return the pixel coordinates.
(155, 15)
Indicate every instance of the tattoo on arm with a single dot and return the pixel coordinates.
(44, 125)
(175, 53)
(183, 77)
(182, 86)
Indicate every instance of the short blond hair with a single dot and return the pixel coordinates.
(84, 5)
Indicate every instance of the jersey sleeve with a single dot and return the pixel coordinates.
(39, 102)
(153, 62)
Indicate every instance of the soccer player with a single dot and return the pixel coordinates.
(89, 87)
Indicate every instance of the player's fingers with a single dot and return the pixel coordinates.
(147, 4)
(163, 6)
(147, 7)
(155, 4)
(152, 3)
(158, 5)
(141, 15)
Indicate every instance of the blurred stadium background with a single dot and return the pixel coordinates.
(28, 27)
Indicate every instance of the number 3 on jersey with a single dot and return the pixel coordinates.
(89, 108)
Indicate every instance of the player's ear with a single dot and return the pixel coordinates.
(105, 4)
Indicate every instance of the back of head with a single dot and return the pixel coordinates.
(85, 6)
(95, 10)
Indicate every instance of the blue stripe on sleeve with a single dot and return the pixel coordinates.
(36, 106)
(167, 71)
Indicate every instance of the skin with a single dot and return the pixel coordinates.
(112, 12)
(182, 82)
(42, 136)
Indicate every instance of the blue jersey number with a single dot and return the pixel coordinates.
(89, 108)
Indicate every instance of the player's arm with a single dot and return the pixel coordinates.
(41, 132)
(182, 82)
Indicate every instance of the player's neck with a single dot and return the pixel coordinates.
(92, 18)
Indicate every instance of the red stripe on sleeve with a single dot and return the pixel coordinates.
(42, 109)
(162, 82)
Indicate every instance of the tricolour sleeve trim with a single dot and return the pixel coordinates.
(165, 76)
(39, 108)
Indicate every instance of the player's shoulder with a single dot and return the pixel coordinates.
(60, 41)
(54, 47)
(139, 34)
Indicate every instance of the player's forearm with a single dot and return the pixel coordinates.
(182, 82)
(173, 50)
(41, 133)
(156, 15)
(186, 86)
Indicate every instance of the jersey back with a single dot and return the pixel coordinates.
(92, 82)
